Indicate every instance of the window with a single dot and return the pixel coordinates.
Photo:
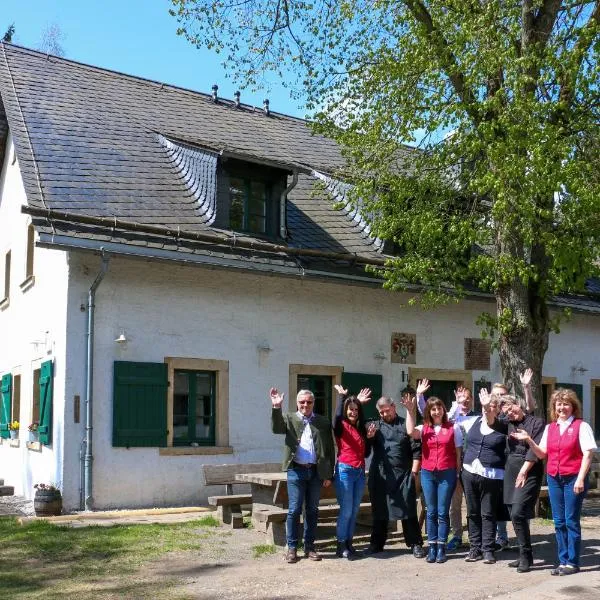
(595, 420)
(319, 379)
(248, 197)
(7, 276)
(5, 402)
(180, 406)
(35, 394)
(30, 251)
(248, 205)
(16, 398)
(194, 407)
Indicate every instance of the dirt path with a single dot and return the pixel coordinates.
(394, 574)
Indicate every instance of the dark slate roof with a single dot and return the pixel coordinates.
(95, 142)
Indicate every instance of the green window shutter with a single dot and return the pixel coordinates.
(354, 382)
(46, 385)
(140, 404)
(6, 388)
(576, 387)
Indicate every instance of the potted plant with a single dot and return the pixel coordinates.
(33, 431)
(14, 430)
(47, 501)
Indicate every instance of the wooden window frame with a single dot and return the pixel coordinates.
(246, 215)
(202, 441)
(29, 258)
(594, 383)
(221, 370)
(335, 372)
(4, 302)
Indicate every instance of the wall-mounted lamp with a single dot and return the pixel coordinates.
(483, 381)
(379, 356)
(122, 339)
(263, 347)
(578, 368)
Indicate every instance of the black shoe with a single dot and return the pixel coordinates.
(525, 561)
(339, 551)
(489, 558)
(568, 570)
(431, 553)
(371, 550)
(350, 547)
(441, 554)
(418, 551)
(474, 555)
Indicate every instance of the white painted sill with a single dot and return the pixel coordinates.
(28, 283)
(194, 451)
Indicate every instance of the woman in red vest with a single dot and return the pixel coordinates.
(441, 446)
(568, 444)
(349, 478)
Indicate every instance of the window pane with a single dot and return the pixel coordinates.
(256, 224)
(237, 195)
(258, 198)
(181, 400)
(204, 414)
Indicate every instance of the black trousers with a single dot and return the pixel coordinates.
(410, 529)
(484, 498)
(518, 516)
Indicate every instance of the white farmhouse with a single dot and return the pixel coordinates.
(165, 257)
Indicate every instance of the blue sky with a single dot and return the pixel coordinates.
(137, 37)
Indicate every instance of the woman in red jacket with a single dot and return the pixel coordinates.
(441, 445)
(568, 444)
(349, 478)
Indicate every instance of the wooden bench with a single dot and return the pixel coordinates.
(542, 506)
(229, 506)
(271, 519)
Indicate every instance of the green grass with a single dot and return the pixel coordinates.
(262, 549)
(43, 560)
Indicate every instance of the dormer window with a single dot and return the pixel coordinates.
(248, 197)
(248, 205)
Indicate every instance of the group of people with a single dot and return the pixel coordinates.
(493, 458)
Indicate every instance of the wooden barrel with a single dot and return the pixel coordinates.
(47, 503)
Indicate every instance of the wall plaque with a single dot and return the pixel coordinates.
(404, 348)
(477, 354)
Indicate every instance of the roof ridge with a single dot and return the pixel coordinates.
(145, 80)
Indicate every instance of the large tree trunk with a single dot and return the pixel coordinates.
(525, 343)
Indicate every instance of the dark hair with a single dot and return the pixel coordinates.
(360, 422)
(409, 389)
(431, 402)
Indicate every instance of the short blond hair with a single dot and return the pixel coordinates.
(564, 395)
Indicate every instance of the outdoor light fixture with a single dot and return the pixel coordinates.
(122, 339)
(379, 356)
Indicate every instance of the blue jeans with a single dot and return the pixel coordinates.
(349, 488)
(304, 489)
(566, 512)
(438, 487)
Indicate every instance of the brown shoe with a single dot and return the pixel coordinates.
(312, 555)
(291, 556)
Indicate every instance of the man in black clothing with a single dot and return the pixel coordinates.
(392, 478)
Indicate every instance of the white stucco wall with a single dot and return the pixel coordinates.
(32, 330)
(184, 311)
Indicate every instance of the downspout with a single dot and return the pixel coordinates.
(282, 205)
(87, 503)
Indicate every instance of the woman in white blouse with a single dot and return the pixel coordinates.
(568, 443)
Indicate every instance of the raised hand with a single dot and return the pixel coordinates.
(409, 402)
(423, 386)
(371, 430)
(484, 397)
(521, 435)
(276, 397)
(526, 377)
(364, 395)
(341, 390)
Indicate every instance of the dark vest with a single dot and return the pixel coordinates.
(489, 449)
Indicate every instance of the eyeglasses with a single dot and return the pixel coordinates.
(305, 402)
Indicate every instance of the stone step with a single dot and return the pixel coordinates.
(7, 490)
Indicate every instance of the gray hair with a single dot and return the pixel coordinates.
(302, 393)
(510, 399)
(385, 401)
